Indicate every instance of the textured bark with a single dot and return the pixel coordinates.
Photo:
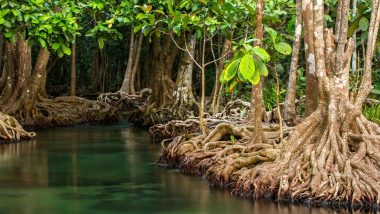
(183, 99)
(290, 112)
(136, 63)
(311, 80)
(164, 54)
(258, 133)
(126, 87)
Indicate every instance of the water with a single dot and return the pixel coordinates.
(108, 169)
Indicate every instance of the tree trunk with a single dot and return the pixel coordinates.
(183, 98)
(136, 63)
(290, 112)
(311, 80)
(216, 92)
(126, 87)
(202, 122)
(164, 54)
(73, 81)
(257, 105)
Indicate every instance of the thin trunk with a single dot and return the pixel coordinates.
(311, 79)
(354, 55)
(136, 64)
(202, 122)
(126, 82)
(73, 81)
(366, 82)
(290, 112)
(216, 92)
(258, 133)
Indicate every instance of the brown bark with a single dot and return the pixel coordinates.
(183, 99)
(257, 105)
(290, 112)
(125, 87)
(7, 81)
(311, 80)
(73, 80)
(136, 63)
(164, 54)
(202, 123)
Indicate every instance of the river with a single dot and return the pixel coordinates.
(109, 169)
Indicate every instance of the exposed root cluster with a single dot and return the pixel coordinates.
(11, 130)
(167, 127)
(130, 107)
(320, 163)
(63, 111)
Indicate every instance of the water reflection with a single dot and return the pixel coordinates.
(108, 169)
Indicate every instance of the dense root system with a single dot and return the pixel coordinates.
(11, 130)
(167, 127)
(130, 107)
(320, 163)
(61, 111)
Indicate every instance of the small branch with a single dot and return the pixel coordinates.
(225, 55)
(183, 49)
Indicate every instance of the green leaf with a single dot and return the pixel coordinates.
(231, 70)
(363, 24)
(283, 48)
(56, 46)
(255, 79)
(263, 54)
(272, 33)
(247, 66)
(140, 16)
(42, 42)
(261, 68)
(66, 50)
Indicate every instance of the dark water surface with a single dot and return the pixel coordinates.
(108, 169)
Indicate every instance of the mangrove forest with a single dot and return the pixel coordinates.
(189, 106)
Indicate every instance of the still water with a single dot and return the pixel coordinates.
(108, 169)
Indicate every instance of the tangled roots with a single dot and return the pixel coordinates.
(63, 111)
(11, 130)
(320, 163)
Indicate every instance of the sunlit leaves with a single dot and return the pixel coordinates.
(263, 54)
(231, 70)
(247, 66)
(283, 48)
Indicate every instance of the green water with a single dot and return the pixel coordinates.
(107, 169)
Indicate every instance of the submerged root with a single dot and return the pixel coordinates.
(11, 130)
